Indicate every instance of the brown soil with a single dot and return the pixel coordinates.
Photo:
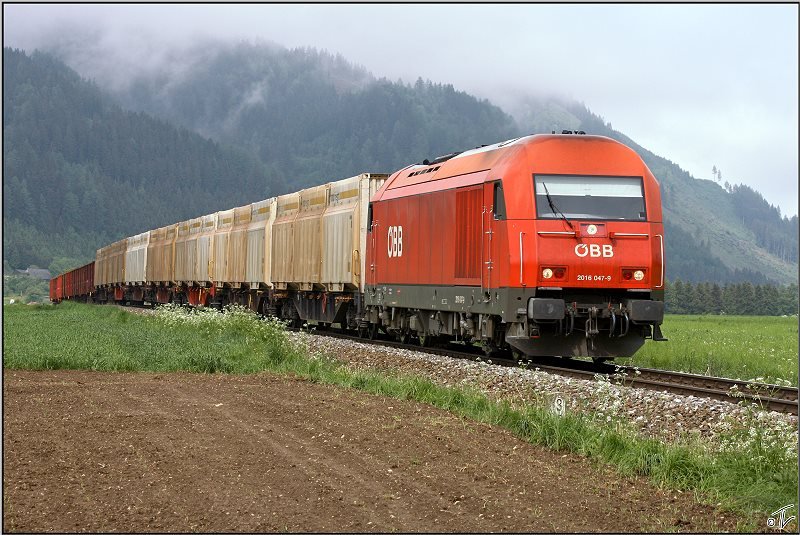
(91, 451)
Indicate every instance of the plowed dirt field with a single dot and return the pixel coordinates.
(91, 451)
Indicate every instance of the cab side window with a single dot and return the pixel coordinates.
(499, 201)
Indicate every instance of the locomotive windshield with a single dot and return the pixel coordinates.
(589, 197)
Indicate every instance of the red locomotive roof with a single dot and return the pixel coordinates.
(541, 153)
(465, 163)
(536, 154)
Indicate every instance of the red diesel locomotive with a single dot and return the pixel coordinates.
(547, 244)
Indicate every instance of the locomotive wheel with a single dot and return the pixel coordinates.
(372, 331)
(491, 350)
(426, 340)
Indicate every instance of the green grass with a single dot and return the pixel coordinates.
(75, 336)
(753, 482)
(758, 348)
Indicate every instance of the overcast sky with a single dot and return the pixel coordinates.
(700, 85)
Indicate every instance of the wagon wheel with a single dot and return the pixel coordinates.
(363, 331)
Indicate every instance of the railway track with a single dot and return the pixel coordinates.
(771, 397)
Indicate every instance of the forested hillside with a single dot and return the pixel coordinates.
(739, 299)
(312, 115)
(776, 234)
(80, 168)
(80, 172)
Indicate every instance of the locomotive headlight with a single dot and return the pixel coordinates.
(638, 274)
(547, 273)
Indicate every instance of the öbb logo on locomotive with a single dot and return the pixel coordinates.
(395, 241)
(549, 244)
(594, 250)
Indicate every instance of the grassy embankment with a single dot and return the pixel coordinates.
(754, 481)
(754, 348)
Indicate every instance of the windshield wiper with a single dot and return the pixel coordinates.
(555, 210)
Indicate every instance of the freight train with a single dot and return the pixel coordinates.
(550, 244)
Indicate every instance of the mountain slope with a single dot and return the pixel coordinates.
(80, 172)
(313, 115)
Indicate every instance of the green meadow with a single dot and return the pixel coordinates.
(757, 348)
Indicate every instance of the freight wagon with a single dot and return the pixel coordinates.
(300, 255)
(77, 284)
